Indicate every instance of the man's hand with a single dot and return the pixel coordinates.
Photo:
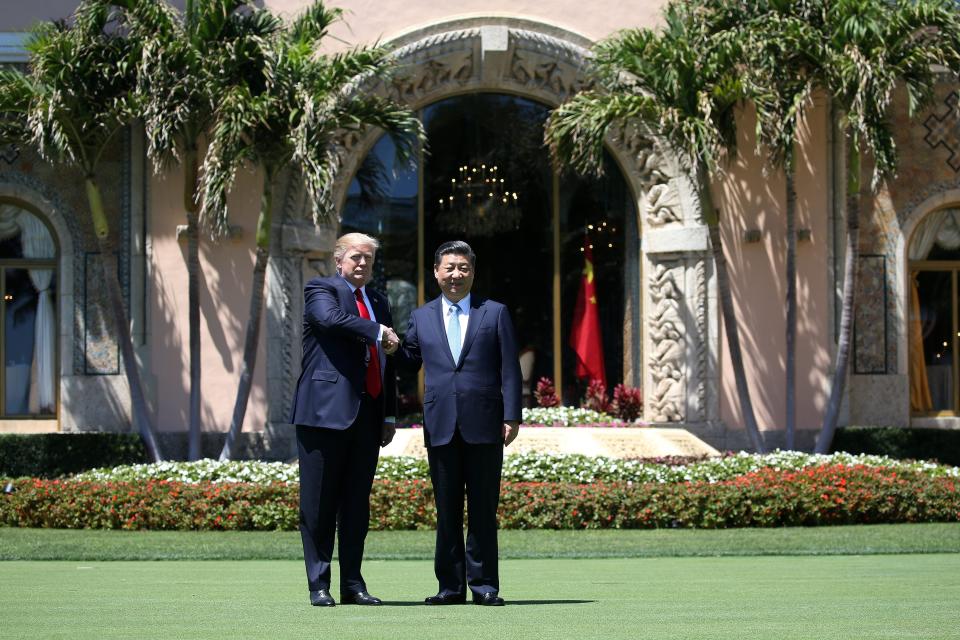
(510, 430)
(390, 341)
(387, 433)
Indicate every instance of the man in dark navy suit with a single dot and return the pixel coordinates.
(344, 411)
(471, 409)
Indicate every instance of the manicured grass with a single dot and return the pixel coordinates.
(57, 544)
(829, 597)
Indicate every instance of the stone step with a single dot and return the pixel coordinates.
(616, 442)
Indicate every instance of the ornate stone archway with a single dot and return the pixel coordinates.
(678, 331)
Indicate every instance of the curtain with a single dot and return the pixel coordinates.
(8, 221)
(38, 243)
(920, 399)
(941, 228)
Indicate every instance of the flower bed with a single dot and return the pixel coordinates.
(833, 493)
(570, 417)
(530, 467)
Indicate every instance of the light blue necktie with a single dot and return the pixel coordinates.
(453, 332)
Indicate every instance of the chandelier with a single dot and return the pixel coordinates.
(479, 204)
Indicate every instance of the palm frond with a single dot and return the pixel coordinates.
(312, 25)
(576, 130)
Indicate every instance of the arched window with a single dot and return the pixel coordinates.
(486, 178)
(28, 324)
(934, 329)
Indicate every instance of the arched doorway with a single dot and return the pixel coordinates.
(28, 315)
(934, 314)
(486, 178)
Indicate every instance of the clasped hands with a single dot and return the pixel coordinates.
(390, 341)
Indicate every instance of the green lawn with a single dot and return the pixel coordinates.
(56, 544)
(890, 581)
(827, 597)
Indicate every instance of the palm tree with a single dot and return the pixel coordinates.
(682, 84)
(781, 43)
(870, 49)
(189, 60)
(76, 98)
(290, 113)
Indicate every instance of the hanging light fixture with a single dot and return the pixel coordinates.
(480, 203)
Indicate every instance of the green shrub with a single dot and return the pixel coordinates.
(48, 455)
(942, 445)
(829, 494)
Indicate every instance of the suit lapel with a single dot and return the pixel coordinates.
(379, 304)
(348, 303)
(477, 310)
(436, 315)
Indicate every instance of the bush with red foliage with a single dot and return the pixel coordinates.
(546, 393)
(595, 397)
(829, 494)
(627, 403)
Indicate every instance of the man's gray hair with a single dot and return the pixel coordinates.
(348, 240)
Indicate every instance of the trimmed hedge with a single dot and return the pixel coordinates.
(942, 445)
(819, 495)
(48, 455)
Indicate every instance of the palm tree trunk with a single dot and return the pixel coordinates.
(253, 321)
(825, 437)
(791, 304)
(112, 281)
(193, 299)
(730, 325)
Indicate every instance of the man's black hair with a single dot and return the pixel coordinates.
(455, 247)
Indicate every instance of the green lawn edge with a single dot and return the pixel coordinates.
(105, 545)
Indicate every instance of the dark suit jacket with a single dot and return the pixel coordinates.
(335, 350)
(479, 392)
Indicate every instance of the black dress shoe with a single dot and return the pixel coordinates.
(321, 598)
(360, 597)
(446, 598)
(489, 599)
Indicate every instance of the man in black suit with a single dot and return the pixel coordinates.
(471, 409)
(344, 411)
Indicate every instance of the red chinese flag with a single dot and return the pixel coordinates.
(585, 333)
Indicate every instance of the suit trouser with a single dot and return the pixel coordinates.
(455, 468)
(336, 475)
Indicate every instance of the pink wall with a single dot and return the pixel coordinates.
(750, 200)
(370, 20)
(227, 271)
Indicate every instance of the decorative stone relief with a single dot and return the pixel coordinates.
(101, 350)
(455, 67)
(9, 153)
(869, 328)
(943, 130)
(666, 400)
(660, 203)
(702, 346)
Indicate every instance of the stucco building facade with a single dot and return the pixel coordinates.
(482, 80)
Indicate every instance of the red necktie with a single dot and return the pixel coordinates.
(373, 367)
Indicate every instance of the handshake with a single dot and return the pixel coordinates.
(390, 341)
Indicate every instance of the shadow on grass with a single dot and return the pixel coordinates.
(526, 602)
(509, 603)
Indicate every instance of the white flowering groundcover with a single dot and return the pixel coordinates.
(529, 467)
